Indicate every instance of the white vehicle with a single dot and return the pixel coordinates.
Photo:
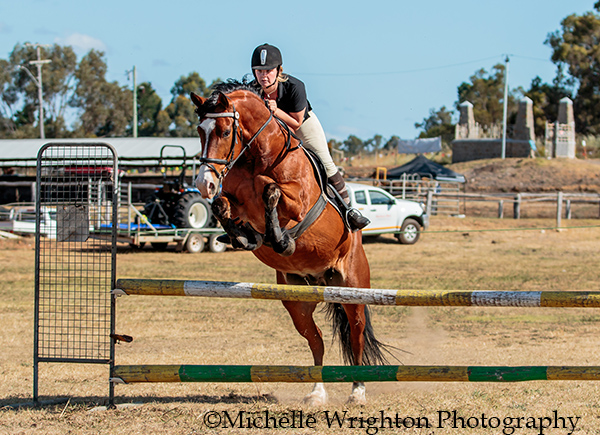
(388, 215)
(21, 220)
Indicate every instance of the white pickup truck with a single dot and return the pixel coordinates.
(21, 220)
(388, 215)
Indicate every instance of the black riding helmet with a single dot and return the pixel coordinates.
(266, 57)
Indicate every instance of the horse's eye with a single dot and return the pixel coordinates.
(226, 133)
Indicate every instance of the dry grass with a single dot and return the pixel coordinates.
(456, 254)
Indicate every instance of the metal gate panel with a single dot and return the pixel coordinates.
(76, 221)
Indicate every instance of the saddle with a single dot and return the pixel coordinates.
(328, 191)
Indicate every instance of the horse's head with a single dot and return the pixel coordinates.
(230, 121)
(219, 133)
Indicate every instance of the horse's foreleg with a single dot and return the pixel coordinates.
(302, 316)
(242, 236)
(280, 240)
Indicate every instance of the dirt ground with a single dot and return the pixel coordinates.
(469, 253)
(519, 175)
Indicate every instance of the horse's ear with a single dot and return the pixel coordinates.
(222, 103)
(197, 100)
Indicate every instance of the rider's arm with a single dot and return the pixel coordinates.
(293, 119)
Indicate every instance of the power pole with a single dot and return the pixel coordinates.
(38, 81)
(135, 115)
(505, 109)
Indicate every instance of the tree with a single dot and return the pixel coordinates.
(439, 123)
(546, 98)
(8, 99)
(150, 119)
(374, 144)
(105, 107)
(486, 93)
(353, 145)
(576, 48)
(19, 88)
(392, 143)
(181, 110)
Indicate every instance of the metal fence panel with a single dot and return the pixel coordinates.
(76, 210)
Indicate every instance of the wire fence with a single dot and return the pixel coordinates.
(74, 269)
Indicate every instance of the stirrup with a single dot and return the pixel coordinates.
(356, 221)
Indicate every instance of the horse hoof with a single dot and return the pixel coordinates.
(224, 238)
(358, 396)
(289, 249)
(315, 400)
(356, 400)
(317, 397)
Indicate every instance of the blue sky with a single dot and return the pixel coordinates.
(373, 67)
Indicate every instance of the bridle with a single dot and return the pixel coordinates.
(237, 131)
(317, 208)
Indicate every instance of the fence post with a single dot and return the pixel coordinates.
(517, 207)
(500, 209)
(559, 201)
(429, 201)
(568, 209)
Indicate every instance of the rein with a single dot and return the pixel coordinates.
(230, 160)
(315, 211)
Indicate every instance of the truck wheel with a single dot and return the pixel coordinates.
(192, 211)
(195, 243)
(410, 232)
(214, 245)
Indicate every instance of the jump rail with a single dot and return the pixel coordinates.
(260, 373)
(350, 295)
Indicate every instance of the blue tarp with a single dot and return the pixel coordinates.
(420, 146)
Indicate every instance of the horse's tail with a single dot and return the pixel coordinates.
(375, 351)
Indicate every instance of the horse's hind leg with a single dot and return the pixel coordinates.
(302, 317)
(358, 275)
(280, 240)
(357, 322)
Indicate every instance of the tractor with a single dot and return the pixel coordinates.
(175, 203)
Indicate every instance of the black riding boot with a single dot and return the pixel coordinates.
(356, 221)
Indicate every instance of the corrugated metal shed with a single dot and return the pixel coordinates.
(128, 149)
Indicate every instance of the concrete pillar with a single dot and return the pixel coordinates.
(565, 130)
(524, 127)
(466, 123)
(565, 111)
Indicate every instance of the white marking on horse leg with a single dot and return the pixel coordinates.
(359, 394)
(318, 396)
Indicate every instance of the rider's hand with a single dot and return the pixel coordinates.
(272, 105)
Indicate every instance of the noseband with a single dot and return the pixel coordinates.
(237, 131)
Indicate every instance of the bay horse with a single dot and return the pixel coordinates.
(264, 188)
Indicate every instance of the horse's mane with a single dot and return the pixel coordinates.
(226, 87)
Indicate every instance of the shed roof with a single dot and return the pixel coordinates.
(127, 148)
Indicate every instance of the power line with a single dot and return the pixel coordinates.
(416, 70)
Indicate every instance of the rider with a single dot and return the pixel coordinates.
(286, 97)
